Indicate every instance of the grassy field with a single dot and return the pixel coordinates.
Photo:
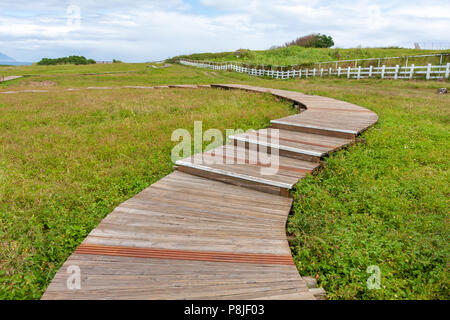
(296, 55)
(68, 158)
(83, 76)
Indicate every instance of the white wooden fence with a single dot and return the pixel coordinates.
(380, 61)
(398, 72)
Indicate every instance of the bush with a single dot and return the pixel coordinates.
(66, 60)
(315, 40)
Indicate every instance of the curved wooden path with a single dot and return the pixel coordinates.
(214, 230)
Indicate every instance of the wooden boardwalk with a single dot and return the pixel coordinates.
(215, 229)
(7, 78)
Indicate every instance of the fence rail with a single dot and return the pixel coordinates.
(442, 57)
(384, 72)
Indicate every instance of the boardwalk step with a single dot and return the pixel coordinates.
(247, 168)
(294, 144)
(330, 122)
(314, 129)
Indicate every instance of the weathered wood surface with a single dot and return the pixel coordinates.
(7, 78)
(293, 144)
(187, 237)
(325, 116)
(215, 229)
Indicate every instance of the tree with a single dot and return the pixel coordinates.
(65, 60)
(323, 41)
(315, 40)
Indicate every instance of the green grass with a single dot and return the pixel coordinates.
(296, 55)
(383, 202)
(68, 158)
(73, 76)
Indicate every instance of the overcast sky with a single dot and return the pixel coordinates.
(137, 31)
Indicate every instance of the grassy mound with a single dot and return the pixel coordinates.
(295, 55)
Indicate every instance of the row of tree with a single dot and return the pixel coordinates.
(66, 60)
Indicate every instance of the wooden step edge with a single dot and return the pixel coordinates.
(239, 179)
(286, 151)
(331, 132)
(234, 174)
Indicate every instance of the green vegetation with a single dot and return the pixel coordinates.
(66, 60)
(62, 70)
(68, 158)
(382, 202)
(315, 40)
(295, 55)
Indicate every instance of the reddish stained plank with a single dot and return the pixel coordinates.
(136, 252)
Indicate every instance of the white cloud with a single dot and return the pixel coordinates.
(151, 30)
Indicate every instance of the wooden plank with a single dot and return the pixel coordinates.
(184, 254)
(110, 277)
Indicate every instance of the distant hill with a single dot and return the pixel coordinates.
(4, 57)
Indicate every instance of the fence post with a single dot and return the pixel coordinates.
(330, 72)
(447, 70)
(348, 72)
(314, 72)
(428, 71)
(300, 73)
(321, 72)
(383, 69)
(370, 71)
(306, 74)
(411, 71)
(339, 71)
(359, 72)
(396, 72)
